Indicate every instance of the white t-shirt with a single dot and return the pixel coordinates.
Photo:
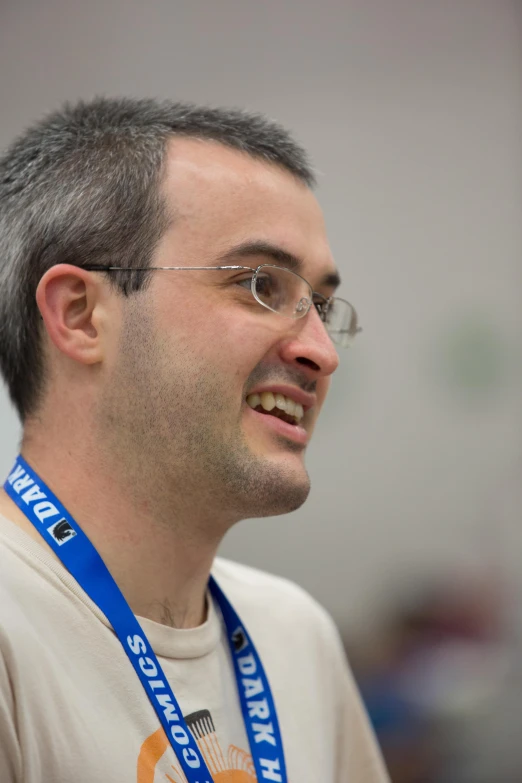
(72, 709)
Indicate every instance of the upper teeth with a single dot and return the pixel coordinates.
(269, 401)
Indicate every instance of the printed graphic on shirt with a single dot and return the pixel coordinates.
(233, 766)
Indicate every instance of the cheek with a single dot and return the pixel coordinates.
(237, 344)
(211, 350)
(220, 337)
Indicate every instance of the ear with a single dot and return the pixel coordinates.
(70, 300)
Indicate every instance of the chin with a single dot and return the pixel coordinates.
(260, 484)
(281, 495)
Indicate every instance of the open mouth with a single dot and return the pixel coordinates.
(277, 405)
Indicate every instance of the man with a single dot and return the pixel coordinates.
(167, 337)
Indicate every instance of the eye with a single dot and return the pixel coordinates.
(265, 285)
(245, 282)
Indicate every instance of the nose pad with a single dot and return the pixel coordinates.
(303, 305)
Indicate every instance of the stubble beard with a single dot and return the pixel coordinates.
(166, 423)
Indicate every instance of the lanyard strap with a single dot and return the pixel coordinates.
(81, 559)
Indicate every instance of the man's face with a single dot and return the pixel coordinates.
(195, 344)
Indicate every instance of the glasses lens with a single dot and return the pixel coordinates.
(341, 322)
(282, 291)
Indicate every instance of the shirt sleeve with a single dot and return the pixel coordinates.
(10, 755)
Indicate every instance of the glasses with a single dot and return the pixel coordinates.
(283, 292)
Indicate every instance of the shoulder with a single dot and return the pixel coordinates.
(306, 664)
(38, 594)
(256, 586)
(276, 604)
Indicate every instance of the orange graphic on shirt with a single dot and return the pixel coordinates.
(153, 767)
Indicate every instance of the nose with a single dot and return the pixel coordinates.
(309, 346)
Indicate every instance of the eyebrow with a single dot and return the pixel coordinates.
(275, 253)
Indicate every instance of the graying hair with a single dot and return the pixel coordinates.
(82, 186)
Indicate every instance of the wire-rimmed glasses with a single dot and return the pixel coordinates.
(282, 291)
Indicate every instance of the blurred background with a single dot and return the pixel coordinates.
(412, 113)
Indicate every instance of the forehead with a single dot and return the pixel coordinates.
(220, 198)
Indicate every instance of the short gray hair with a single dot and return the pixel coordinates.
(82, 186)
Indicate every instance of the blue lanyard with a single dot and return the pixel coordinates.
(81, 559)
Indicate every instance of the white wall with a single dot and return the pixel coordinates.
(412, 112)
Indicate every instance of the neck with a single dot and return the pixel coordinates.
(158, 550)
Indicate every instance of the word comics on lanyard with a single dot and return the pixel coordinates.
(79, 556)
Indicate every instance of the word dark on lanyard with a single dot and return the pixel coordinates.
(79, 556)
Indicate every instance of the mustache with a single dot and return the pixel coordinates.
(292, 376)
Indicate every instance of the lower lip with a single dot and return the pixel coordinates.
(293, 432)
